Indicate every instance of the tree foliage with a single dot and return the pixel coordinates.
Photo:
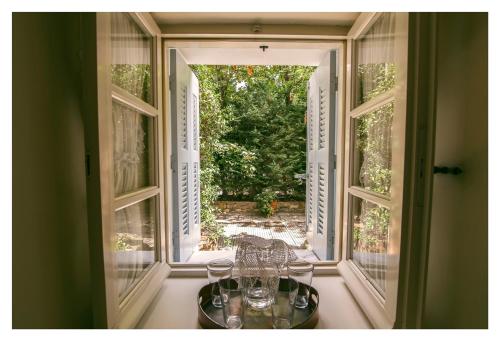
(135, 78)
(212, 126)
(263, 141)
(253, 141)
(264, 202)
(373, 146)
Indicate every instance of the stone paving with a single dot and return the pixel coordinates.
(289, 227)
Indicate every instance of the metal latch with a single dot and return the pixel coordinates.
(447, 170)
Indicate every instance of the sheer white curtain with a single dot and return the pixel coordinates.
(376, 149)
(375, 58)
(375, 75)
(130, 149)
(131, 57)
(135, 224)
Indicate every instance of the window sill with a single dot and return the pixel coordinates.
(200, 270)
(175, 305)
(362, 290)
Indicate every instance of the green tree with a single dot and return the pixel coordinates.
(212, 126)
(252, 133)
(373, 145)
(265, 109)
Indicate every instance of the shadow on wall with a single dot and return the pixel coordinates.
(457, 279)
(51, 274)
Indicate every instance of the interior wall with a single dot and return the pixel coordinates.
(51, 273)
(457, 278)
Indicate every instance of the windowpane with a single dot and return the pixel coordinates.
(372, 149)
(131, 52)
(369, 238)
(376, 70)
(133, 149)
(134, 243)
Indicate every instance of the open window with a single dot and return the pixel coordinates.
(124, 164)
(374, 167)
(141, 217)
(322, 139)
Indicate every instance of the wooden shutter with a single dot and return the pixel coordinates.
(310, 188)
(321, 156)
(184, 94)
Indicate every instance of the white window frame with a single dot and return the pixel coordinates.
(97, 99)
(380, 311)
(198, 270)
(109, 312)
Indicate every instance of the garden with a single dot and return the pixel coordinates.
(252, 138)
(253, 144)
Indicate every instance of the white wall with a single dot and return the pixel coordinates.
(51, 274)
(457, 282)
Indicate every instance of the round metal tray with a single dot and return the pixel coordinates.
(210, 317)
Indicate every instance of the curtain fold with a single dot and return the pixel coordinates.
(135, 225)
(375, 59)
(131, 57)
(131, 154)
(375, 75)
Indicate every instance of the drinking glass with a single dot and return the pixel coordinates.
(302, 272)
(232, 302)
(218, 269)
(259, 287)
(283, 304)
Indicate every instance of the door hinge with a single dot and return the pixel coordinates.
(172, 162)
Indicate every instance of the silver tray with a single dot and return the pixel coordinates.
(210, 317)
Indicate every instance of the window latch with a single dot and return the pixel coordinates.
(447, 170)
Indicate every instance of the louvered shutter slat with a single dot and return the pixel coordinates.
(184, 140)
(185, 137)
(321, 197)
(195, 122)
(185, 198)
(321, 129)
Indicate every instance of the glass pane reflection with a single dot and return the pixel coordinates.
(373, 150)
(376, 68)
(134, 243)
(131, 53)
(133, 153)
(370, 235)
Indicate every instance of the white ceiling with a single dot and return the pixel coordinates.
(245, 56)
(249, 53)
(294, 18)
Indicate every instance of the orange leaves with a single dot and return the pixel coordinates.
(249, 69)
